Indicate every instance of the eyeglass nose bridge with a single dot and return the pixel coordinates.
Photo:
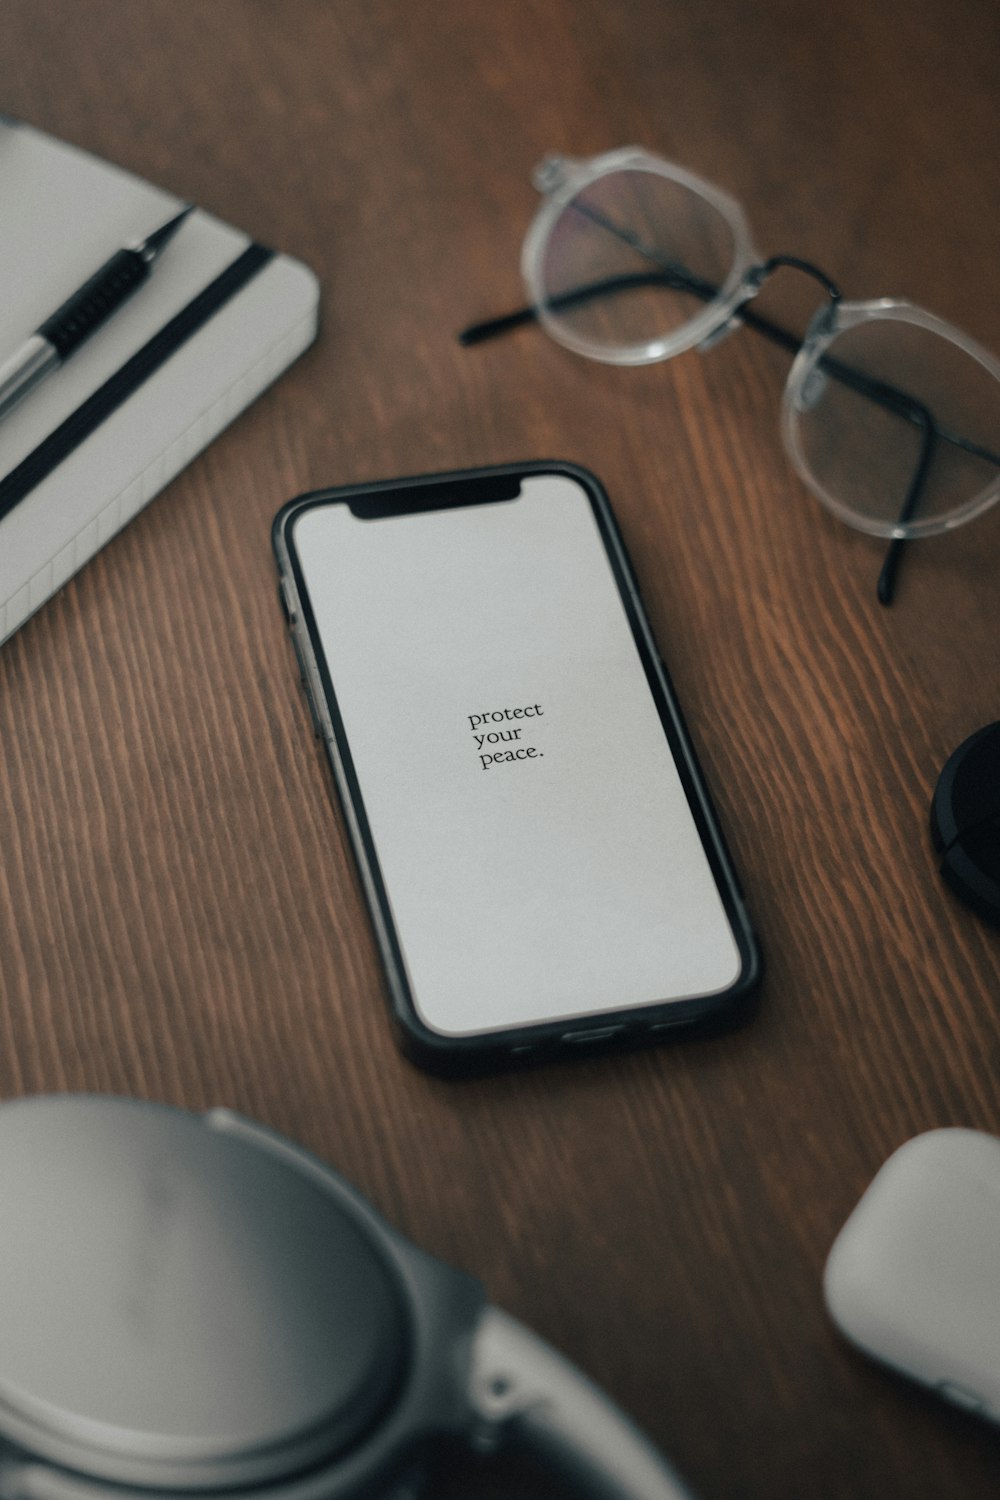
(751, 285)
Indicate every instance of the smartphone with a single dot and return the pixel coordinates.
(543, 866)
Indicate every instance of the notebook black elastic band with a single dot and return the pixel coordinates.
(134, 372)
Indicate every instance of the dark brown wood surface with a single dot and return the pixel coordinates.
(179, 913)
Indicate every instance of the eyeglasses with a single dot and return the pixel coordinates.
(890, 415)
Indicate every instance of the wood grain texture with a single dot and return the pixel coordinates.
(179, 915)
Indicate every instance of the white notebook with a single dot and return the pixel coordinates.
(217, 321)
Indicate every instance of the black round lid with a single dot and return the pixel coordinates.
(965, 821)
(180, 1306)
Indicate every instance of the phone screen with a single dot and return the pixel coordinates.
(537, 848)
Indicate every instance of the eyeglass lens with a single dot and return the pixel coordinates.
(632, 258)
(897, 427)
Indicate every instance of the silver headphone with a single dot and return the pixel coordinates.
(190, 1304)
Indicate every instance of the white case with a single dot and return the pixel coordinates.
(914, 1276)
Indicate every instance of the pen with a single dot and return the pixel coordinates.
(82, 314)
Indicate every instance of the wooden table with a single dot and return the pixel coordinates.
(179, 913)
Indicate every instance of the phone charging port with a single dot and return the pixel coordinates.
(594, 1034)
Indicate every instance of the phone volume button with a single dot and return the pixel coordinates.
(307, 690)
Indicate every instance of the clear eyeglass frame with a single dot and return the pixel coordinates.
(917, 340)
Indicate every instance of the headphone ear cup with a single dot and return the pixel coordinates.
(191, 1303)
(529, 1396)
(182, 1309)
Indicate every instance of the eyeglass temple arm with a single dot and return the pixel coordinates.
(884, 395)
(679, 280)
(886, 586)
(478, 333)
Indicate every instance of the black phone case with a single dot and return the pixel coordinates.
(546, 1040)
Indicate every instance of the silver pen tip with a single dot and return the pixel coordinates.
(152, 245)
